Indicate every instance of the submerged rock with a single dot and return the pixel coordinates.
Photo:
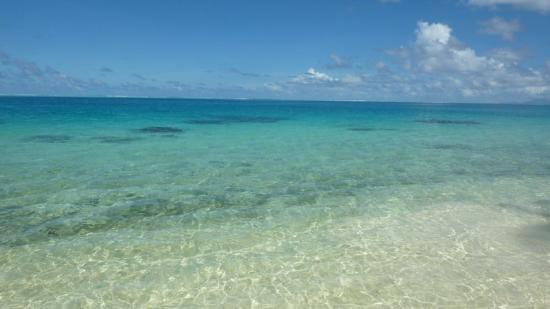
(160, 130)
(169, 135)
(538, 210)
(218, 120)
(361, 129)
(115, 139)
(48, 138)
(449, 147)
(448, 121)
(206, 121)
(543, 203)
(249, 119)
(367, 129)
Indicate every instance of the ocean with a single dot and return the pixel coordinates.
(123, 202)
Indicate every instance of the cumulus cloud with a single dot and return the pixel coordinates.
(506, 29)
(536, 5)
(435, 67)
(438, 55)
(438, 50)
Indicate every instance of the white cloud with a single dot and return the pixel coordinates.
(339, 62)
(350, 79)
(273, 87)
(506, 56)
(437, 50)
(382, 67)
(432, 36)
(536, 5)
(314, 77)
(436, 67)
(506, 29)
(437, 55)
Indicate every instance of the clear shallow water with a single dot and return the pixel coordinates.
(262, 203)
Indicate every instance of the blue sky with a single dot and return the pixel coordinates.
(436, 51)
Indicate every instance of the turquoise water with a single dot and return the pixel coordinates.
(193, 203)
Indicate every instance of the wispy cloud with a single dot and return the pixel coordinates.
(19, 76)
(382, 68)
(106, 70)
(339, 62)
(506, 29)
(22, 76)
(311, 76)
(542, 6)
(435, 66)
(28, 77)
(246, 74)
(137, 76)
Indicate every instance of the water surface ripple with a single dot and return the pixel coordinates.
(212, 203)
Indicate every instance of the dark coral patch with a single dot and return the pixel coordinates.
(206, 121)
(539, 211)
(450, 147)
(362, 129)
(250, 119)
(48, 138)
(115, 139)
(160, 130)
(220, 120)
(447, 121)
(543, 203)
(367, 129)
(170, 135)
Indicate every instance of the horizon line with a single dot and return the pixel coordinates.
(531, 102)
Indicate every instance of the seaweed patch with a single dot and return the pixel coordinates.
(449, 147)
(249, 119)
(160, 130)
(115, 139)
(206, 121)
(543, 203)
(220, 120)
(448, 121)
(170, 135)
(539, 211)
(361, 129)
(48, 138)
(367, 129)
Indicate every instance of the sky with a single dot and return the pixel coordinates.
(487, 51)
